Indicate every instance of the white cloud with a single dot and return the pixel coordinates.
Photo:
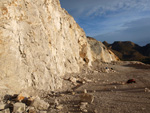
(101, 7)
(109, 18)
(136, 31)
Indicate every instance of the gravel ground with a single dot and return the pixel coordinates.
(109, 89)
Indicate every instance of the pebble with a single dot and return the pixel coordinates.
(147, 90)
(59, 107)
(73, 93)
(19, 107)
(143, 108)
(2, 106)
(40, 104)
(86, 98)
(115, 87)
(83, 105)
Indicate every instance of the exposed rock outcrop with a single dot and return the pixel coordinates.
(100, 52)
(39, 43)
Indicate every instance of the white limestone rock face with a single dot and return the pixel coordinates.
(39, 43)
(100, 52)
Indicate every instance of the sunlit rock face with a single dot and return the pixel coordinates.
(100, 52)
(39, 43)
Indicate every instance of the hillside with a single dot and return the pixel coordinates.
(130, 51)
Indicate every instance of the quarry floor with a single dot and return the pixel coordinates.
(109, 89)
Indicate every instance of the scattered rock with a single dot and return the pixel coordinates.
(73, 80)
(115, 87)
(19, 107)
(40, 104)
(87, 80)
(59, 107)
(95, 71)
(94, 91)
(86, 98)
(73, 93)
(31, 110)
(56, 102)
(147, 90)
(2, 106)
(85, 91)
(83, 106)
(143, 108)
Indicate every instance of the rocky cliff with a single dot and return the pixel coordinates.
(100, 52)
(39, 43)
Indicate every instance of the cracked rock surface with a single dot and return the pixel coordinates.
(39, 43)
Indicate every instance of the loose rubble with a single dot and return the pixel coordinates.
(40, 104)
(20, 104)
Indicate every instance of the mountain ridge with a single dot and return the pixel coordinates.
(127, 50)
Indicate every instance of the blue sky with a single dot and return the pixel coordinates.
(112, 20)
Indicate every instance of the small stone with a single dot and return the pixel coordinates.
(95, 111)
(31, 110)
(86, 98)
(59, 107)
(73, 80)
(19, 107)
(62, 95)
(2, 106)
(56, 102)
(73, 93)
(147, 90)
(85, 110)
(40, 104)
(84, 103)
(85, 91)
(123, 83)
(83, 82)
(95, 71)
(115, 87)
(83, 106)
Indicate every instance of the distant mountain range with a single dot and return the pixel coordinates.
(130, 51)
